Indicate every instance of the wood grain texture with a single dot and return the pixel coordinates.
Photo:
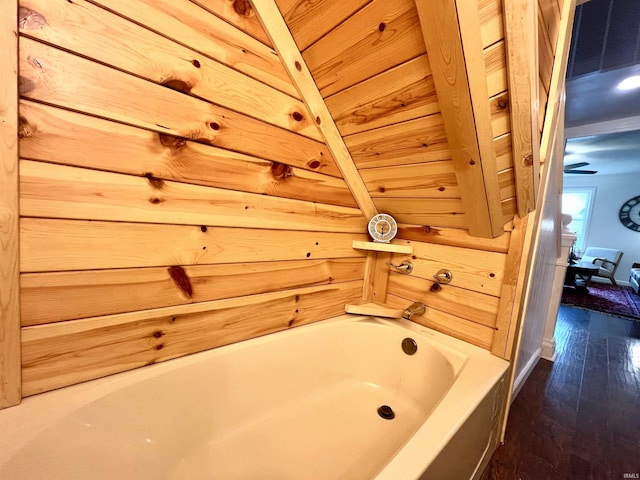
(309, 21)
(380, 36)
(453, 237)
(491, 21)
(480, 271)
(191, 25)
(450, 324)
(59, 136)
(59, 245)
(439, 212)
(414, 141)
(500, 114)
(504, 152)
(64, 353)
(53, 76)
(239, 14)
(550, 11)
(546, 52)
(54, 297)
(439, 23)
(512, 288)
(423, 180)
(402, 93)
(92, 32)
(275, 26)
(59, 191)
(555, 103)
(496, 68)
(474, 306)
(10, 383)
(523, 88)
(470, 31)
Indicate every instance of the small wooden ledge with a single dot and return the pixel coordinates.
(383, 247)
(374, 309)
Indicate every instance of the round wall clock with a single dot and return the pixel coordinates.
(382, 228)
(630, 214)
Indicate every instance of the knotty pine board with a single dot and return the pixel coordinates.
(93, 32)
(481, 271)
(381, 35)
(414, 141)
(239, 14)
(65, 353)
(453, 237)
(58, 191)
(60, 136)
(423, 180)
(471, 305)
(58, 296)
(309, 21)
(57, 245)
(440, 212)
(453, 325)
(402, 93)
(53, 76)
(186, 23)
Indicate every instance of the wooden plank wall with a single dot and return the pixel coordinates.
(370, 63)
(10, 393)
(548, 32)
(175, 192)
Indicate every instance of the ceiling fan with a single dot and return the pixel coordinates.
(572, 168)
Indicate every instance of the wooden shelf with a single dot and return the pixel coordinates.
(374, 309)
(383, 247)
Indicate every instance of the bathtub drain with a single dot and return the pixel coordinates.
(386, 412)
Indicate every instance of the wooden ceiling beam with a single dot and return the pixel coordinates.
(283, 42)
(521, 38)
(451, 30)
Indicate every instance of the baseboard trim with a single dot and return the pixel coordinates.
(549, 349)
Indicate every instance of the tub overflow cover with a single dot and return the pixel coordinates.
(409, 346)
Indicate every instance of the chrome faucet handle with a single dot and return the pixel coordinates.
(405, 267)
(443, 276)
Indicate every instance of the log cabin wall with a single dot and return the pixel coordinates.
(372, 67)
(181, 186)
(175, 192)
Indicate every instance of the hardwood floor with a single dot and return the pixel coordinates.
(579, 417)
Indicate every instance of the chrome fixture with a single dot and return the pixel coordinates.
(416, 308)
(405, 267)
(443, 276)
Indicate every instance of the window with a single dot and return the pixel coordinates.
(577, 203)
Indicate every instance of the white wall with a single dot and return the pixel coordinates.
(605, 229)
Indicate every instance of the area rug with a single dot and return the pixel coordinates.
(619, 301)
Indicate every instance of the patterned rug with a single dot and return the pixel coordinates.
(619, 301)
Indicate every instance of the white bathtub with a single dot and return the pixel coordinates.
(300, 404)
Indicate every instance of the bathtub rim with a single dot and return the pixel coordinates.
(36, 413)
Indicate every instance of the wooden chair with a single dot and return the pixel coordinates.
(607, 258)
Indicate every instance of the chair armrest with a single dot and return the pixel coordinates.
(635, 265)
(603, 260)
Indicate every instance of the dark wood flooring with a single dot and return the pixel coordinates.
(579, 417)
